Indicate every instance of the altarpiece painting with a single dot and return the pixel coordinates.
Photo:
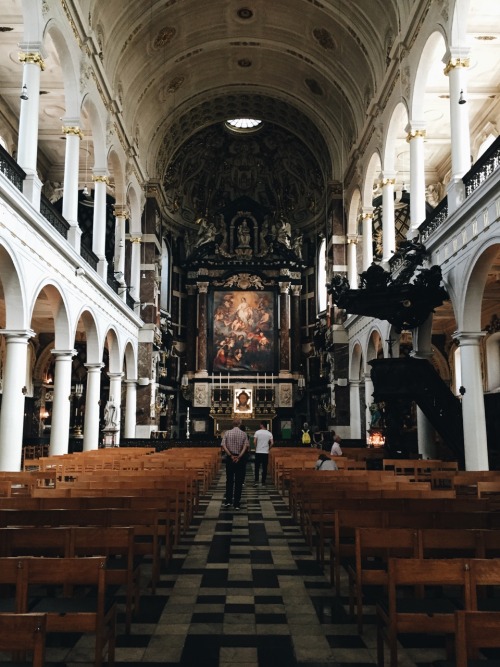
(243, 331)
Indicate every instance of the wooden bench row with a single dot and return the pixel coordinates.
(39, 585)
(462, 583)
(115, 542)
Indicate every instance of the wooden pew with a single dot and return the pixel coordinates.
(475, 630)
(372, 549)
(79, 613)
(420, 615)
(123, 569)
(24, 632)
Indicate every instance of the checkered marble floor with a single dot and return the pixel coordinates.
(244, 590)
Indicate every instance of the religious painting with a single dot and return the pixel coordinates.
(243, 331)
(242, 401)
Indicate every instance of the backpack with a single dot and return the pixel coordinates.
(306, 438)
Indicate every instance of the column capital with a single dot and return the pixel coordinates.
(202, 287)
(296, 290)
(456, 63)
(21, 334)
(353, 238)
(100, 178)
(115, 376)
(130, 381)
(387, 181)
(136, 239)
(72, 129)
(61, 354)
(32, 58)
(284, 287)
(191, 290)
(367, 215)
(121, 211)
(414, 134)
(92, 368)
(468, 337)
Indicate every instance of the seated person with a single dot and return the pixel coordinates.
(336, 450)
(324, 462)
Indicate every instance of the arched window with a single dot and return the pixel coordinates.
(165, 277)
(321, 283)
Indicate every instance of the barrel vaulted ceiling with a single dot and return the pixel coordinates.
(316, 68)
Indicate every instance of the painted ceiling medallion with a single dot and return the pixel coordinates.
(164, 37)
(175, 84)
(244, 62)
(245, 13)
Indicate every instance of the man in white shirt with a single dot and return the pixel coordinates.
(263, 442)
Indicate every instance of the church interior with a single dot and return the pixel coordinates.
(279, 212)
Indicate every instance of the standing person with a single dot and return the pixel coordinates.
(263, 439)
(306, 436)
(235, 445)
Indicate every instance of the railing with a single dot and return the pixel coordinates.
(10, 169)
(52, 215)
(89, 257)
(488, 163)
(438, 216)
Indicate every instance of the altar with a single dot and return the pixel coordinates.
(252, 404)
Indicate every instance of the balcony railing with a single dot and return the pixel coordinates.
(89, 257)
(488, 163)
(10, 169)
(438, 216)
(53, 216)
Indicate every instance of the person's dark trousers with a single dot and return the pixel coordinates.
(261, 460)
(235, 475)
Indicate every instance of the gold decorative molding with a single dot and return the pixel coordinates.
(387, 181)
(367, 216)
(135, 239)
(32, 59)
(455, 63)
(101, 179)
(121, 211)
(72, 129)
(415, 133)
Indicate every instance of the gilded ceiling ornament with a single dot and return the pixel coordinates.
(324, 38)
(164, 37)
(32, 58)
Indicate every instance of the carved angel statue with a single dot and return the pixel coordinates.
(297, 244)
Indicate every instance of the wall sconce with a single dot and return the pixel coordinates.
(24, 92)
(461, 99)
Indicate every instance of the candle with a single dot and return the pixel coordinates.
(187, 418)
(220, 380)
(257, 380)
(265, 380)
(228, 380)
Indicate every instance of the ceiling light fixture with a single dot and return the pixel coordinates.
(24, 92)
(461, 99)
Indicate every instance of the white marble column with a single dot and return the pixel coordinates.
(61, 406)
(457, 64)
(93, 394)
(355, 410)
(368, 402)
(475, 439)
(121, 214)
(99, 229)
(388, 228)
(13, 393)
(415, 137)
(367, 225)
(115, 395)
(73, 135)
(130, 408)
(352, 264)
(135, 268)
(27, 149)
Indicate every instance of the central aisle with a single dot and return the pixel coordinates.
(243, 589)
